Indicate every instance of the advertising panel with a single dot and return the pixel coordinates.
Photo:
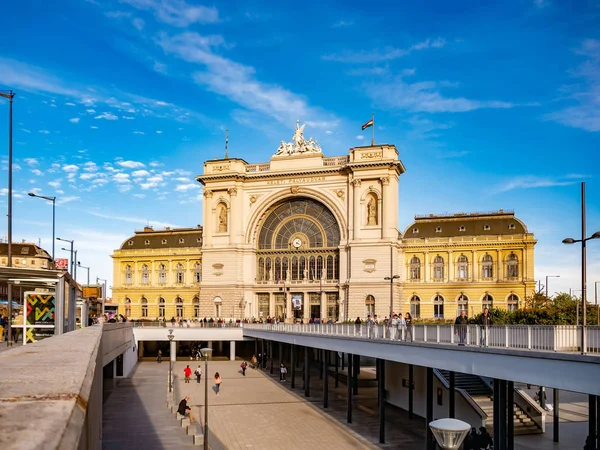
(92, 292)
(297, 301)
(39, 317)
(62, 263)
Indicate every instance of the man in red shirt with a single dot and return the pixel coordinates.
(188, 373)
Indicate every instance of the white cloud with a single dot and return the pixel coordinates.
(140, 173)
(93, 127)
(74, 120)
(117, 14)
(529, 182)
(107, 116)
(159, 67)
(60, 191)
(44, 132)
(155, 179)
(25, 130)
(177, 12)
(139, 132)
(31, 162)
(238, 83)
(139, 195)
(124, 187)
(359, 137)
(37, 172)
(70, 168)
(121, 178)
(88, 176)
(128, 117)
(328, 132)
(130, 164)
(67, 199)
(159, 132)
(187, 187)
(70, 104)
(90, 166)
(90, 111)
(146, 186)
(138, 23)
(343, 23)
(155, 164)
(100, 181)
(385, 54)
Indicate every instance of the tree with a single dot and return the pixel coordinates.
(537, 300)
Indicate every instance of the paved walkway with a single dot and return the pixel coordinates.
(136, 415)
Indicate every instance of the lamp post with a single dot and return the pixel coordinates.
(88, 271)
(391, 280)
(449, 433)
(550, 276)
(171, 336)
(53, 200)
(70, 241)
(10, 95)
(596, 302)
(73, 266)
(103, 293)
(206, 353)
(583, 240)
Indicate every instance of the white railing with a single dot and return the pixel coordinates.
(550, 338)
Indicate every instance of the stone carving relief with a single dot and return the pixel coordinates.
(208, 193)
(295, 189)
(299, 145)
(232, 192)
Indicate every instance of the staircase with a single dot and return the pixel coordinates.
(481, 393)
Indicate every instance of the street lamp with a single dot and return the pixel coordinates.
(171, 336)
(10, 95)
(103, 293)
(550, 276)
(596, 302)
(206, 353)
(391, 280)
(74, 256)
(449, 433)
(88, 271)
(583, 240)
(53, 200)
(70, 241)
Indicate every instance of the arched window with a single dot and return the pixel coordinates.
(463, 267)
(330, 267)
(438, 307)
(128, 274)
(512, 266)
(487, 266)
(312, 268)
(285, 264)
(196, 304)
(260, 276)
(179, 273)
(487, 302)
(512, 302)
(438, 268)
(370, 305)
(277, 269)
(268, 274)
(145, 274)
(463, 303)
(302, 268)
(127, 307)
(179, 306)
(197, 273)
(319, 267)
(415, 268)
(295, 274)
(415, 306)
(162, 274)
(144, 307)
(161, 307)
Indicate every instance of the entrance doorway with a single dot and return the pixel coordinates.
(315, 311)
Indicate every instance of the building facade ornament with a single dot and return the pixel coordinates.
(299, 144)
(356, 182)
(295, 189)
(208, 193)
(385, 181)
(232, 191)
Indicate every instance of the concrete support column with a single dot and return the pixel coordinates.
(271, 357)
(452, 399)
(510, 416)
(321, 359)
(293, 365)
(381, 397)
(430, 441)
(323, 304)
(280, 353)
(355, 373)
(336, 369)
(349, 386)
(357, 212)
(232, 351)
(262, 354)
(85, 312)
(556, 416)
(210, 344)
(306, 372)
(411, 390)
(220, 346)
(503, 416)
(593, 404)
(256, 347)
(388, 209)
(325, 379)
(173, 350)
(496, 415)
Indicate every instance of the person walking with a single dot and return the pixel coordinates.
(218, 382)
(485, 321)
(187, 372)
(460, 327)
(198, 373)
(244, 366)
(409, 326)
(159, 357)
(357, 323)
(282, 372)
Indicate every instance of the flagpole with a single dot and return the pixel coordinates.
(373, 129)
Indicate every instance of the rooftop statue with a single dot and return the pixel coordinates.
(299, 145)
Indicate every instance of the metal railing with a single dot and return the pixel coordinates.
(550, 338)
(177, 325)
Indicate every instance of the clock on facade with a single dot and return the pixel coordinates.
(297, 242)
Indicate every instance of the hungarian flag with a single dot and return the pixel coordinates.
(368, 124)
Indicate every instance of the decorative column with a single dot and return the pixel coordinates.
(387, 211)
(323, 305)
(426, 268)
(475, 268)
(357, 213)
(287, 297)
(272, 303)
(450, 267)
(499, 267)
(173, 350)
(207, 230)
(305, 307)
(232, 351)
(235, 223)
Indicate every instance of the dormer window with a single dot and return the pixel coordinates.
(181, 240)
(164, 241)
(511, 226)
(461, 228)
(130, 243)
(415, 230)
(147, 242)
(486, 228)
(438, 229)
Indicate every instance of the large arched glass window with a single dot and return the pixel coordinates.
(512, 302)
(370, 305)
(512, 266)
(415, 306)
(463, 303)
(162, 274)
(487, 266)
(161, 307)
(415, 268)
(438, 307)
(438, 268)
(179, 306)
(128, 274)
(197, 273)
(295, 267)
(196, 304)
(463, 267)
(180, 273)
(144, 307)
(487, 302)
(145, 274)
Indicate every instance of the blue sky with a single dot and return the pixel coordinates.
(491, 104)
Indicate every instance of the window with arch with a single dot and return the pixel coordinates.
(179, 273)
(438, 307)
(487, 302)
(487, 266)
(462, 267)
(162, 274)
(196, 305)
(145, 274)
(512, 266)
(128, 274)
(197, 273)
(415, 268)
(144, 307)
(179, 306)
(512, 302)
(161, 307)
(370, 305)
(438, 268)
(127, 307)
(415, 306)
(463, 303)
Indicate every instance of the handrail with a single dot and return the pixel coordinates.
(465, 395)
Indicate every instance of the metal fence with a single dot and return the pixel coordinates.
(550, 338)
(178, 325)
